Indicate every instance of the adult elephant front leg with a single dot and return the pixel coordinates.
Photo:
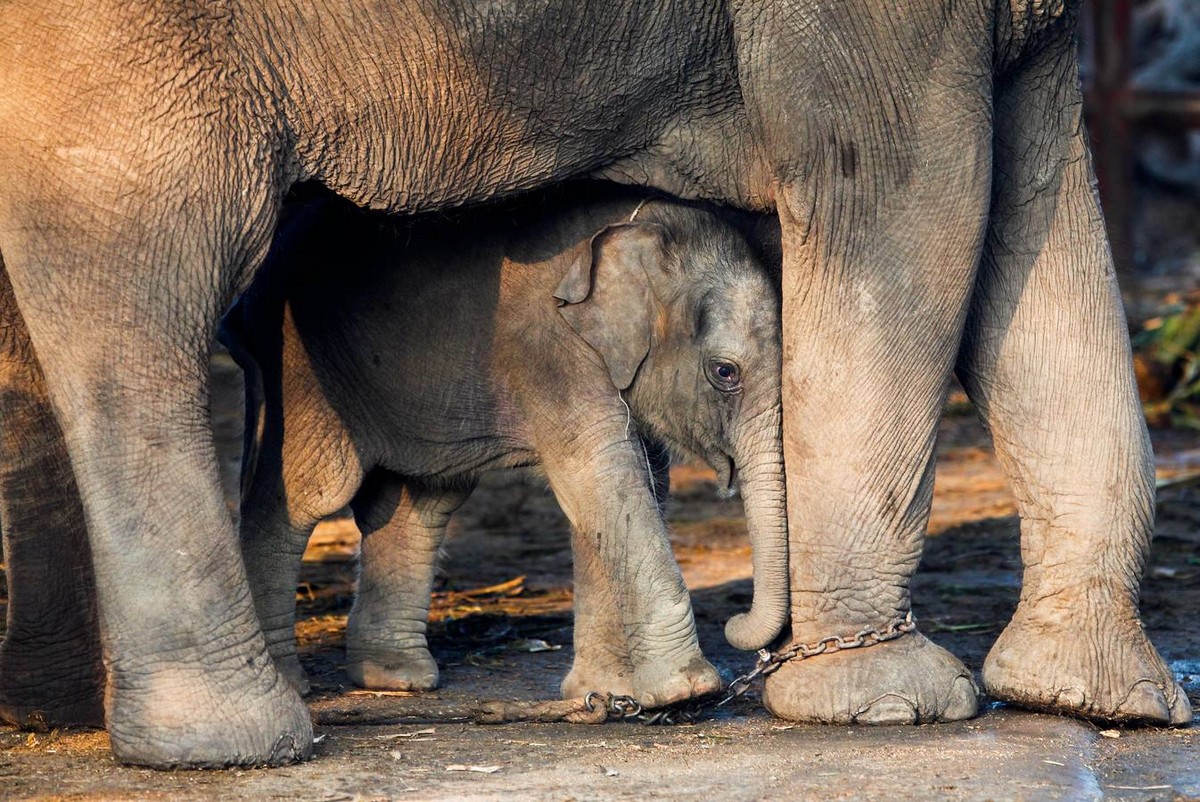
(51, 674)
(1046, 360)
(125, 352)
(883, 199)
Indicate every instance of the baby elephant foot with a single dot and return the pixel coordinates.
(1102, 669)
(909, 680)
(600, 674)
(411, 669)
(660, 683)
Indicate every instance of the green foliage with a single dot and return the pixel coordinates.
(1167, 361)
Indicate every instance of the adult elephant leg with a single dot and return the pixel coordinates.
(51, 673)
(883, 202)
(1046, 360)
(403, 525)
(121, 304)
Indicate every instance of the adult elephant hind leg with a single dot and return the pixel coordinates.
(1046, 359)
(122, 321)
(51, 673)
(403, 525)
(883, 203)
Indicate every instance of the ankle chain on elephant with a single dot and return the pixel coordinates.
(769, 661)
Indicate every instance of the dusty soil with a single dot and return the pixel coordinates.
(511, 534)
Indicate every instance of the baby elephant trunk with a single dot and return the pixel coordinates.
(760, 468)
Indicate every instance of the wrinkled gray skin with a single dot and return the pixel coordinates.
(935, 196)
(395, 363)
(50, 663)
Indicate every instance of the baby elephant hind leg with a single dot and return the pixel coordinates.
(1046, 359)
(403, 524)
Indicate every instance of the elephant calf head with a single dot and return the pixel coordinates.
(687, 322)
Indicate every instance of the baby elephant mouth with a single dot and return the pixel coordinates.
(726, 476)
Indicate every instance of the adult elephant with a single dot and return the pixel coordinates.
(932, 180)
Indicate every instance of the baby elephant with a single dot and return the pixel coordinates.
(389, 364)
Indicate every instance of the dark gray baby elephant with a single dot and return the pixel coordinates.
(398, 362)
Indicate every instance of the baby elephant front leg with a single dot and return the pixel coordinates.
(623, 555)
(403, 525)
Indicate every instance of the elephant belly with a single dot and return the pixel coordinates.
(412, 108)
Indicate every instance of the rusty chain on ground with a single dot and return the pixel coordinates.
(596, 708)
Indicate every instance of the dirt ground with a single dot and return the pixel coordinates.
(511, 535)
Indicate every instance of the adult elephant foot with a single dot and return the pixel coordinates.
(412, 669)
(1102, 669)
(41, 691)
(184, 718)
(910, 680)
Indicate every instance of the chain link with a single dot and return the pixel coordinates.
(769, 662)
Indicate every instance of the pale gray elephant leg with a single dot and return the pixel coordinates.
(623, 557)
(51, 673)
(124, 347)
(307, 468)
(882, 224)
(602, 660)
(403, 525)
(1046, 360)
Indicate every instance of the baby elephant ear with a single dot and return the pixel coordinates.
(606, 295)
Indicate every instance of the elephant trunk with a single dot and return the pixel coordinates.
(760, 467)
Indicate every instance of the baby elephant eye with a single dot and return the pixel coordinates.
(724, 375)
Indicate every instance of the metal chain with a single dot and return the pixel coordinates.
(627, 708)
(769, 662)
